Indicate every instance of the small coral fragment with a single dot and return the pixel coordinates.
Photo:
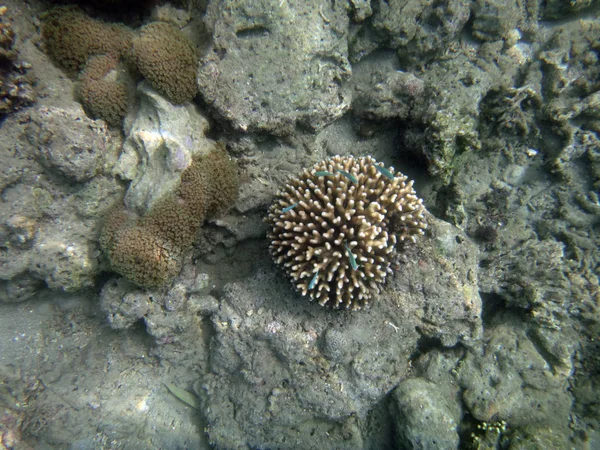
(15, 84)
(338, 240)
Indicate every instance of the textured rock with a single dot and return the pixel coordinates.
(68, 142)
(15, 84)
(419, 29)
(271, 67)
(493, 20)
(513, 380)
(441, 113)
(531, 202)
(361, 9)
(390, 95)
(105, 374)
(570, 68)
(52, 192)
(267, 347)
(557, 9)
(543, 292)
(175, 319)
(447, 125)
(427, 419)
(299, 376)
(437, 282)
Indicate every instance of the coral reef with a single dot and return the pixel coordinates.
(507, 122)
(71, 37)
(319, 370)
(336, 226)
(168, 60)
(149, 250)
(106, 89)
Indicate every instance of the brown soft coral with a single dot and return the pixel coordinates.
(149, 250)
(168, 60)
(141, 254)
(72, 36)
(106, 89)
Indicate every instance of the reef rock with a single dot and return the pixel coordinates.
(67, 142)
(426, 417)
(311, 370)
(296, 374)
(52, 190)
(271, 67)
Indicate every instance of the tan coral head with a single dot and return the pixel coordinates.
(336, 226)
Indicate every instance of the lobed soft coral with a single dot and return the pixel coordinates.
(106, 89)
(71, 37)
(168, 60)
(105, 56)
(149, 250)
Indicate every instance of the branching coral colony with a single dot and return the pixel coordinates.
(335, 227)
